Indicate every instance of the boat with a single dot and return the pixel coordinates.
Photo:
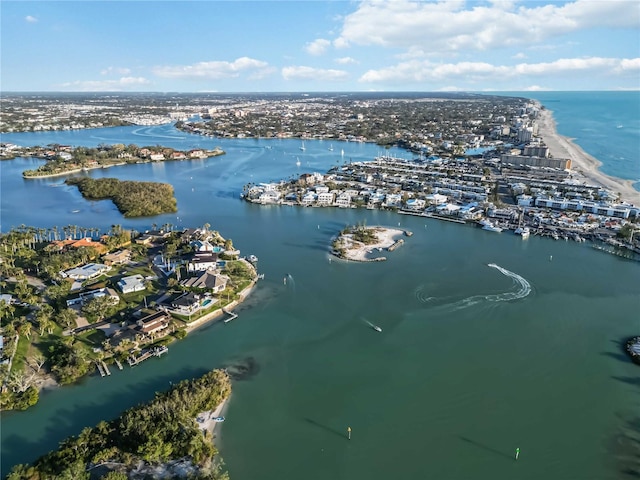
(523, 232)
(490, 227)
(252, 258)
(218, 419)
(331, 147)
(302, 147)
(297, 161)
(377, 328)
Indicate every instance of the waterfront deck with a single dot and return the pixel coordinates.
(146, 354)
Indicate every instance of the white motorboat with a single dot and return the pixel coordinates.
(523, 232)
(487, 225)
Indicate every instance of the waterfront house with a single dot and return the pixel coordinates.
(202, 246)
(326, 198)
(343, 200)
(309, 198)
(153, 323)
(415, 204)
(201, 261)
(133, 283)
(207, 280)
(269, 196)
(186, 304)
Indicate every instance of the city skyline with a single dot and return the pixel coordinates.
(282, 46)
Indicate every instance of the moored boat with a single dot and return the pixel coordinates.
(487, 225)
(523, 232)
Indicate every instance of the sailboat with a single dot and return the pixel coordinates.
(331, 147)
(302, 147)
(298, 161)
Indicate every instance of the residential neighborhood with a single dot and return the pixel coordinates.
(117, 296)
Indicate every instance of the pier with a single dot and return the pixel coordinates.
(145, 354)
(231, 315)
(118, 363)
(395, 245)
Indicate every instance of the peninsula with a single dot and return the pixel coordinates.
(76, 302)
(66, 159)
(144, 440)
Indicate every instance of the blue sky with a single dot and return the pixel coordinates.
(298, 46)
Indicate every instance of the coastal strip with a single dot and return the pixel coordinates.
(582, 162)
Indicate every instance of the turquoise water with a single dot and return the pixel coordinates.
(605, 124)
(487, 345)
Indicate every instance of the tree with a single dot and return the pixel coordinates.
(67, 317)
(98, 308)
(25, 329)
(37, 361)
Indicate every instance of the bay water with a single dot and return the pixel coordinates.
(489, 343)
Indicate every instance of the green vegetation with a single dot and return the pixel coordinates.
(44, 338)
(133, 199)
(361, 233)
(158, 432)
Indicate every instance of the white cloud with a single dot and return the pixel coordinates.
(456, 25)
(124, 83)
(215, 70)
(115, 70)
(30, 19)
(519, 56)
(417, 71)
(310, 73)
(345, 60)
(317, 47)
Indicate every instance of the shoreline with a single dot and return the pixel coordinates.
(218, 313)
(582, 163)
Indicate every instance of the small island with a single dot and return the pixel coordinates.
(361, 243)
(133, 199)
(145, 440)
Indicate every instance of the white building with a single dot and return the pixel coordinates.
(85, 272)
(133, 283)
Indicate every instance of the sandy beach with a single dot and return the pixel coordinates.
(205, 419)
(582, 164)
(386, 237)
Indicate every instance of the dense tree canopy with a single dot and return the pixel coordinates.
(133, 199)
(157, 432)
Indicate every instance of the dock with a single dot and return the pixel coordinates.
(100, 369)
(232, 316)
(395, 245)
(106, 369)
(146, 354)
(118, 363)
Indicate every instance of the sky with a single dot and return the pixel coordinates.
(319, 46)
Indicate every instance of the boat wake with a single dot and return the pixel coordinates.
(523, 290)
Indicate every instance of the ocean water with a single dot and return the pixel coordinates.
(605, 124)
